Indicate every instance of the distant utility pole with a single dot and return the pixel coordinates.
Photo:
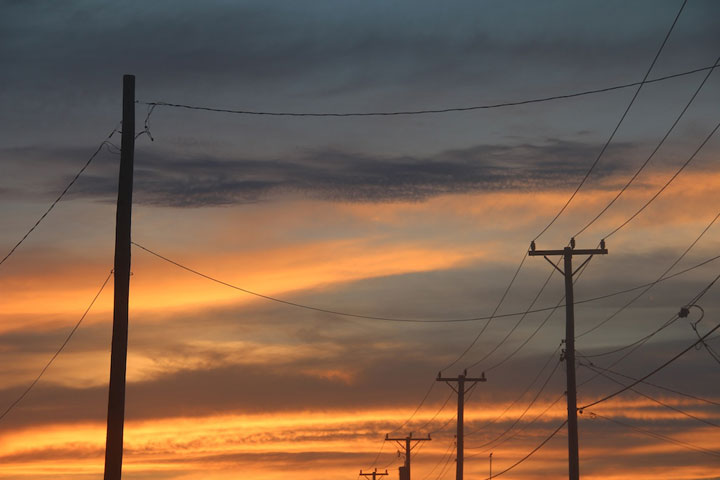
(460, 390)
(373, 474)
(406, 444)
(118, 355)
(569, 352)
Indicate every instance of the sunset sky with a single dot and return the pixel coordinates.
(419, 221)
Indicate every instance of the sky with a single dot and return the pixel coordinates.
(415, 225)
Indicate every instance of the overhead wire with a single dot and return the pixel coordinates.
(530, 454)
(408, 320)
(517, 324)
(651, 285)
(58, 351)
(491, 317)
(443, 458)
(617, 126)
(640, 341)
(542, 324)
(422, 402)
(652, 154)
(658, 435)
(651, 398)
(653, 372)
(432, 419)
(521, 428)
(489, 106)
(636, 344)
(662, 189)
(524, 412)
(62, 194)
(660, 387)
(521, 395)
(713, 354)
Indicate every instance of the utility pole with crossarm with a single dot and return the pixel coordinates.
(569, 353)
(460, 390)
(406, 441)
(374, 474)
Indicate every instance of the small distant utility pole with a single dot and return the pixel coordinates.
(490, 476)
(372, 474)
(405, 469)
(569, 352)
(118, 355)
(460, 390)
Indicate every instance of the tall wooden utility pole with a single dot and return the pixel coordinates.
(569, 352)
(118, 355)
(405, 469)
(460, 379)
(374, 474)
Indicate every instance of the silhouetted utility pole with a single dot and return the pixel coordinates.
(406, 441)
(460, 390)
(118, 355)
(569, 352)
(372, 474)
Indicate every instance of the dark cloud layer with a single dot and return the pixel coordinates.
(173, 179)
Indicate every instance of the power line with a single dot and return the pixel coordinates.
(62, 194)
(646, 288)
(617, 127)
(522, 427)
(560, 304)
(618, 392)
(517, 324)
(660, 144)
(658, 436)
(62, 346)
(424, 111)
(641, 341)
(492, 316)
(651, 285)
(651, 398)
(636, 342)
(442, 407)
(407, 320)
(684, 313)
(517, 399)
(547, 439)
(422, 402)
(645, 382)
(520, 417)
(662, 189)
(448, 453)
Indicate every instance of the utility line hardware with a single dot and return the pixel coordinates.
(406, 444)
(461, 391)
(569, 353)
(373, 474)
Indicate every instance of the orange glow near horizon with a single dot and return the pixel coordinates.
(465, 229)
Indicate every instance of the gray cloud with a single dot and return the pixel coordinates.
(196, 180)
